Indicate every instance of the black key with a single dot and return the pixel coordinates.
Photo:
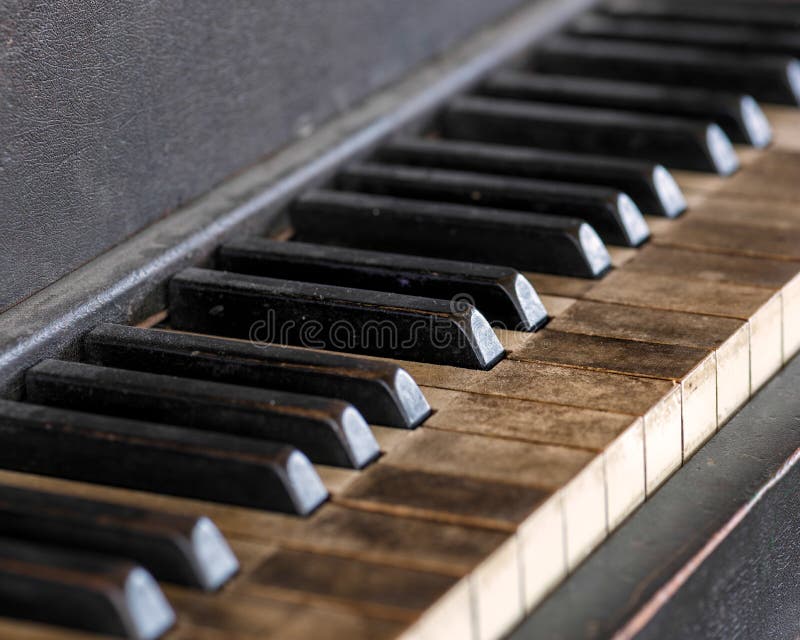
(675, 142)
(383, 392)
(564, 246)
(328, 431)
(159, 458)
(730, 37)
(611, 213)
(180, 549)
(768, 78)
(334, 318)
(757, 13)
(81, 591)
(501, 294)
(739, 115)
(650, 185)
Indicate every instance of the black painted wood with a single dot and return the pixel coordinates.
(610, 212)
(118, 112)
(82, 591)
(326, 430)
(753, 12)
(158, 458)
(185, 550)
(383, 392)
(740, 116)
(730, 37)
(334, 318)
(502, 294)
(525, 241)
(769, 78)
(675, 142)
(650, 185)
(714, 554)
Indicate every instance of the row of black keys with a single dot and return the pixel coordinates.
(531, 208)
(246, 434)
(516, 180)
(221, 420)
(209, 418)
(90, 565)
(581, 105)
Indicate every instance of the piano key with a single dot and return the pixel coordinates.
(465, 499)
(694, 369)
(412, 543)
(501, 294)
(769, 78)
(157, 458)
(265, 617)
(760, 307)
(610, 212)
(728, 208)
(716, 267)
(334, 318)
(620, 436)
(730, 37)
(184, 550)
(383, 392)
(316, 575)
(586, 388)
(82, 591)
(651, 186)
(778, 275)
(524, 241)
(703, 234)
(739, 116)
(770, 183)
(749, 13)
(327, 431)
(675, 142)
(498, 505)
(536, 466)
(728, 337)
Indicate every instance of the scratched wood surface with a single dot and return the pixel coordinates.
(466, 523)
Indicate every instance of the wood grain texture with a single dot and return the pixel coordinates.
(693, 368)
(760, 306)
(525, 420)
(303, 577)
(714, 267)
(454, 498)
(728, 207)
(727, 338)
(550, 383)
(730, 238)
(249, 617)
(646, 324)
(617, 355)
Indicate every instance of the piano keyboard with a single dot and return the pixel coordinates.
(469, 358)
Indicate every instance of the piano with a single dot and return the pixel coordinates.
(400, 320)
